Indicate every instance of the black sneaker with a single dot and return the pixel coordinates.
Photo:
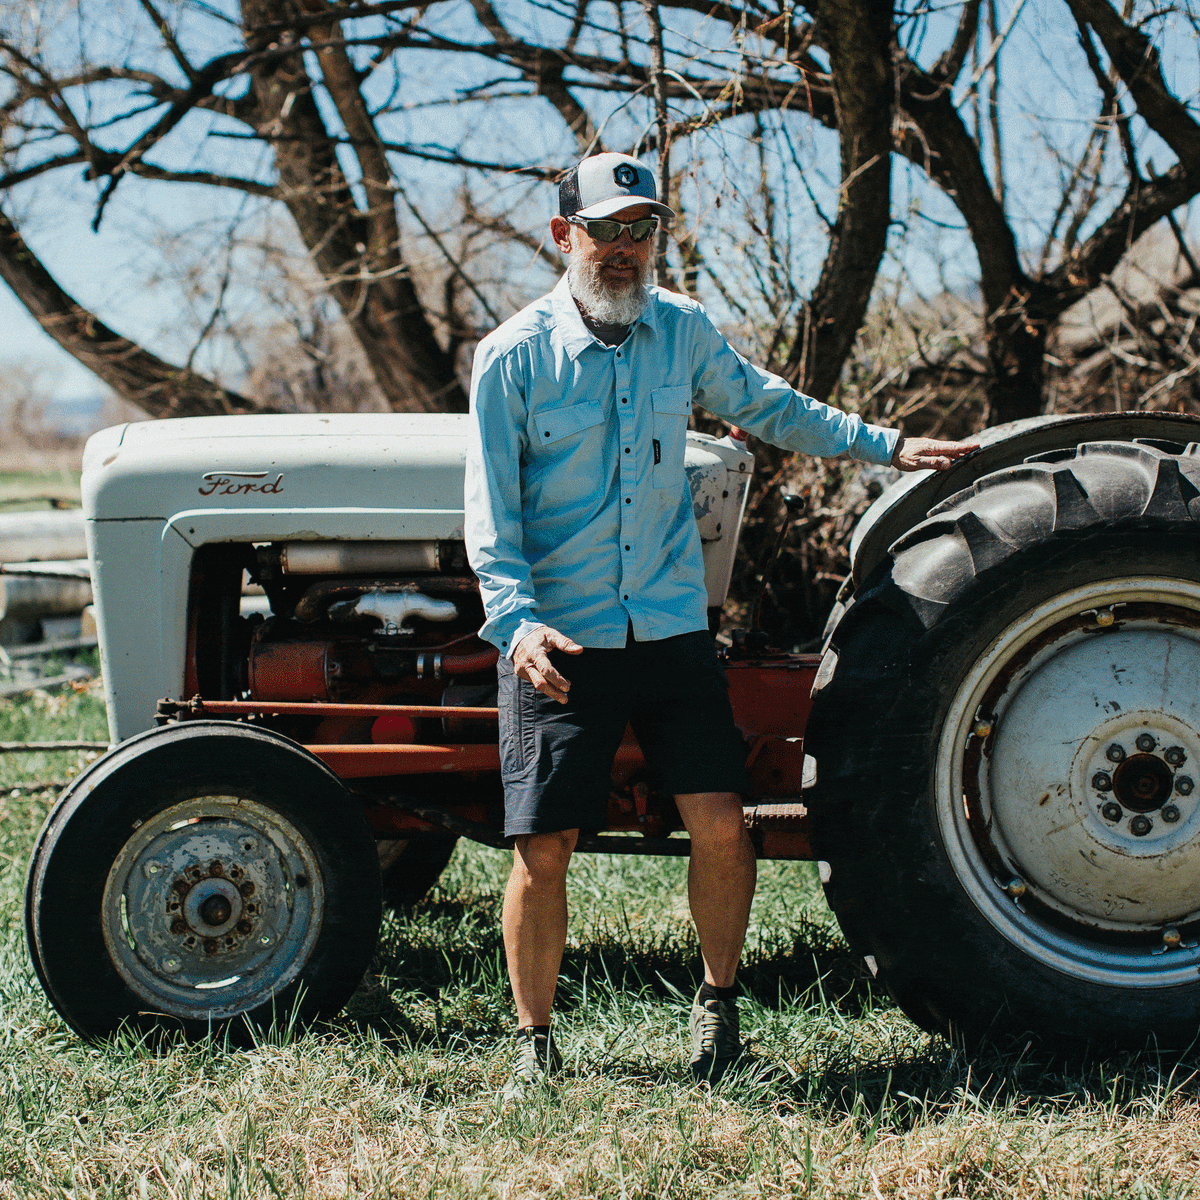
(716, 1038)
(535, 1060)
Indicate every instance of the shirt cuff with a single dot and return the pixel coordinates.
(875, 444)
(505, 632)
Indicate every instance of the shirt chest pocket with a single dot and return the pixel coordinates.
(671, 406)
(553, 424)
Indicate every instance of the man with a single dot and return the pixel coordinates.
(580, 528)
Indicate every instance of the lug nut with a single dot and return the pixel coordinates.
(1102, 781)
(244, 927)
(178, 926)
(210, 945)
(1115, 753)
(1140, 825)
(982, 728)
(1104, 618)
(247, 888)
(1015, 888)
(1184, 785)
(1170, 814)
(1171, 937)
(1112, 811)
(1146, 742)
(1175, 755)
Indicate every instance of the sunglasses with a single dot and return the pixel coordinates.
(609, 231)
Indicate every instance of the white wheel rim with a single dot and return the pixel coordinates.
(212, 907)
(1027, 789)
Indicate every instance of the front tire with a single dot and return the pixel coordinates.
(1007, 735)
(201, 877)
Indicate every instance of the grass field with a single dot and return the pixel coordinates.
(22, 490)
(399, 1098)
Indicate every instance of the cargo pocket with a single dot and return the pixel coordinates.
(518, 747)
(672, 406)
(554, 424)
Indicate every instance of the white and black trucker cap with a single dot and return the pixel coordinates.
(607, 183)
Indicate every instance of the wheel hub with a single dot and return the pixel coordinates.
(1072, 747)
(211, 905)
(1085, 737)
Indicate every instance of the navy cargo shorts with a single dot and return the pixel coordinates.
(556, 759)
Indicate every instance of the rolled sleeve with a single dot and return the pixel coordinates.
(492, 500)
(770, 408)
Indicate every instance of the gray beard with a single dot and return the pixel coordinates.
(603, 303)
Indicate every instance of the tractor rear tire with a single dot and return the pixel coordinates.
(1007, 733)
(203, 878)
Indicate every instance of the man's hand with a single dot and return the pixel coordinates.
(925, 454)
(531, 663)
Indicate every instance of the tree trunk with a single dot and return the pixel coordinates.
(857, 36)
(358, 253)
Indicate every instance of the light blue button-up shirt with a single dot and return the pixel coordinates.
(578, 511)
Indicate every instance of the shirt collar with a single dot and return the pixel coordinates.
(575, 335)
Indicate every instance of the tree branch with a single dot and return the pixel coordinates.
(949, 66)
(138, 376)
(164, 32)
(1136, 60)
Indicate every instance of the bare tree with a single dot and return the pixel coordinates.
(345, 100)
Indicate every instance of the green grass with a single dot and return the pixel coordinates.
(22, 491)
(399, 1097)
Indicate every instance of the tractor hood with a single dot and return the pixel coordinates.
(349, 463)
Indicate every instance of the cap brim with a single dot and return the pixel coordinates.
(617, 204)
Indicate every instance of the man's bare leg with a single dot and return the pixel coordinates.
(535, 921)
(721, 878)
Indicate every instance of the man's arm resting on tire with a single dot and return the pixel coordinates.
(531, 661)
(928, 454)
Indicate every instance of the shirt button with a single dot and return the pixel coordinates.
(626, 547)
(624, 597)
(624, 399)
(628, 500)
(626, 449)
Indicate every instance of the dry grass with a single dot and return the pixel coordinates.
(399, 1098)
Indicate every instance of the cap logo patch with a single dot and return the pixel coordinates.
(625, 175)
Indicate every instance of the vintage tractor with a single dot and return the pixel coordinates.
(998, 773)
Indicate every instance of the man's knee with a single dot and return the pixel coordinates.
(715, 822)
(541, 859)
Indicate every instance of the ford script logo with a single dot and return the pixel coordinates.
(239, 483)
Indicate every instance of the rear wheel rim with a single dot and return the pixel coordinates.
(212, 907)
(1087, 705)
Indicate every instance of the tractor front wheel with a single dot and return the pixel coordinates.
(201, 877)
